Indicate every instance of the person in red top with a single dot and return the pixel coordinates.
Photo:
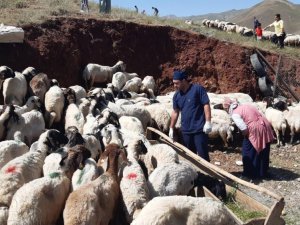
(258, 32)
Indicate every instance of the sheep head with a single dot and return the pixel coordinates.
(70, 95)
(55, 139)
(34, 102)
(75, 138)
(29, 73)
(121, 66)
(6, 72)
(75, 159)
(112, 152)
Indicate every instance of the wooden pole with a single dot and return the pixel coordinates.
(215, 168)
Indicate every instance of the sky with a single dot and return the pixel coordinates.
(186, 7)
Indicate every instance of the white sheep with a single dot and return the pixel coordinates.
(278, 122)
(158, 155)
(74, 116)
(25, 168)
(5, 72)
(26, 127)
(172, 179)
(95, 73)
(54, 104)
(133, 185)
(221, 128)
(41, 201)
(132, 124)
(149, 83)
(293, 120)
(11, 149)
(89, 173)
(133, 85)
(120, 78)
(160, 116)
(184, 210)
(15, 89)
(32, 103)
(110, 135)
(93, 145)
(80, 93)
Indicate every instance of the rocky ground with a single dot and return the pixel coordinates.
(284, 176)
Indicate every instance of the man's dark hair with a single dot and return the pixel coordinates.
(277, 15)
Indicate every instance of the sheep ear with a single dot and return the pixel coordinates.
(153, 162)
(62, 161)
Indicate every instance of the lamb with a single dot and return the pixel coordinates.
(11, 149)
(172, 179)
(95, 73)
(54, 104)
(278, 122)
(42, 200)
(39, 85)
(134, 189)
(94, 203)
(120, 78)
(184, 210)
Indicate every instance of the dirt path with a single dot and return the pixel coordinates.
(284, 177)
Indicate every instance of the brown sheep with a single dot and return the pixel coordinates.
(39, 85)
(95, 202)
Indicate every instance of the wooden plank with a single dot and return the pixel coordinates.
(274, 217)
(207, 193)
(190, 155)
(256, 221)
(247, 201)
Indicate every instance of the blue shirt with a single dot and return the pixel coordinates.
(191, 105)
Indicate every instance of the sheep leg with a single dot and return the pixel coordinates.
(224, 139)
(52, 118)
(278, 137)
(292, 136)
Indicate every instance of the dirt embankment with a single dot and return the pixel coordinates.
(63, 46)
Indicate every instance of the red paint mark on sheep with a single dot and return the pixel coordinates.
(131, 176)
(11, 169)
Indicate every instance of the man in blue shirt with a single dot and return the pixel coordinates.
(193, 103)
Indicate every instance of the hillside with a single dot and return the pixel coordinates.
(264, 11)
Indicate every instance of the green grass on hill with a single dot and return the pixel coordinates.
(21, 12)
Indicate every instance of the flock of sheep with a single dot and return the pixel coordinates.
(79, 153)
(290, 40)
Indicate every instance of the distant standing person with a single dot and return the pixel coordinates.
(85, 5)
(256, 22)
(136, 9)
(258, 32)
(155, 11)
(279, 36)
(144, 12)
